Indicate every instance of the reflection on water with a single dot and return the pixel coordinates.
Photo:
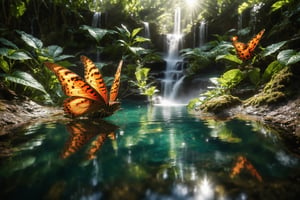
(149, 153)
(82, 131)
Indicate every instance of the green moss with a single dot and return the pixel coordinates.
(219, 103)
(274, 91)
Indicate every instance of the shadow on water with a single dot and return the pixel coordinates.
(149, 152)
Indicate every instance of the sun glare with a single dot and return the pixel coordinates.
(191, 3)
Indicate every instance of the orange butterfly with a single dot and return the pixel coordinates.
(89, 96)
(245, 51)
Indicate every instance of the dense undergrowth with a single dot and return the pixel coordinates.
(65, 35)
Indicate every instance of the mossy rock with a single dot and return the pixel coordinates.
(220, 103)
(275, 90)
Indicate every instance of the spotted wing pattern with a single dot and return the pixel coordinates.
(90, 95)
(93, 76)
(116, 84)
(245, 51)
(72, 84)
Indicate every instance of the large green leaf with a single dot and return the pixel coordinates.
(139, 39)
(231, 78)
(272, 68)
(8, 43)
(254, 75)
(54, 50)
(62, 57)
(18, 55)
(285, 55)
(4, 65)
(273, 48)
(294, 59)
(96, 33)
(135, 32)
(230, 57)
(31, 40)
(25, 79)
(4, 51)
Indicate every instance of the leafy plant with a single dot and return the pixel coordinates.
(142, 82)
(131, 43)
(25, 67)
(201, 58)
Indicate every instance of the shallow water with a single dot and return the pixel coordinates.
(145, 152)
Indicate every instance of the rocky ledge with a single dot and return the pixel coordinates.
(21, 111)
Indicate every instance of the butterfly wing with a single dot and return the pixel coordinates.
(245, 51)
(254, 41)
(77, 106)
(72, 84)
(116, 84)
(94, 78)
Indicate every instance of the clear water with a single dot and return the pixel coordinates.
(145, 152)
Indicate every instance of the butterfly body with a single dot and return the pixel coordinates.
(87, 96)
(245, 51)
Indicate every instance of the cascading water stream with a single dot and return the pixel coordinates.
(146, 30)
(174, 69)
(202, 33)
(96, 23)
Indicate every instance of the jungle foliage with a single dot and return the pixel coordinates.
(34, 31)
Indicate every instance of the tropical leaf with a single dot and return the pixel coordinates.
(135, 32)
(8, 43)
(4, 65)
(25, 79)
(294, 59)
(272, 68)
(54, 50)
(17, 55)
(231, 78)
(285, 55)
(4, 51)
(139, 39)
(230, 57)
(254, 75)
(273, 48)
(31, 40)
(279, 4)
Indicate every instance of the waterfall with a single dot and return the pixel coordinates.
(202, 33)
(253, 15)
(240, 21)
(96, 22)
(174, 69)
(146, 30)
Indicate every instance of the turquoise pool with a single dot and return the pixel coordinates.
(148, 152)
